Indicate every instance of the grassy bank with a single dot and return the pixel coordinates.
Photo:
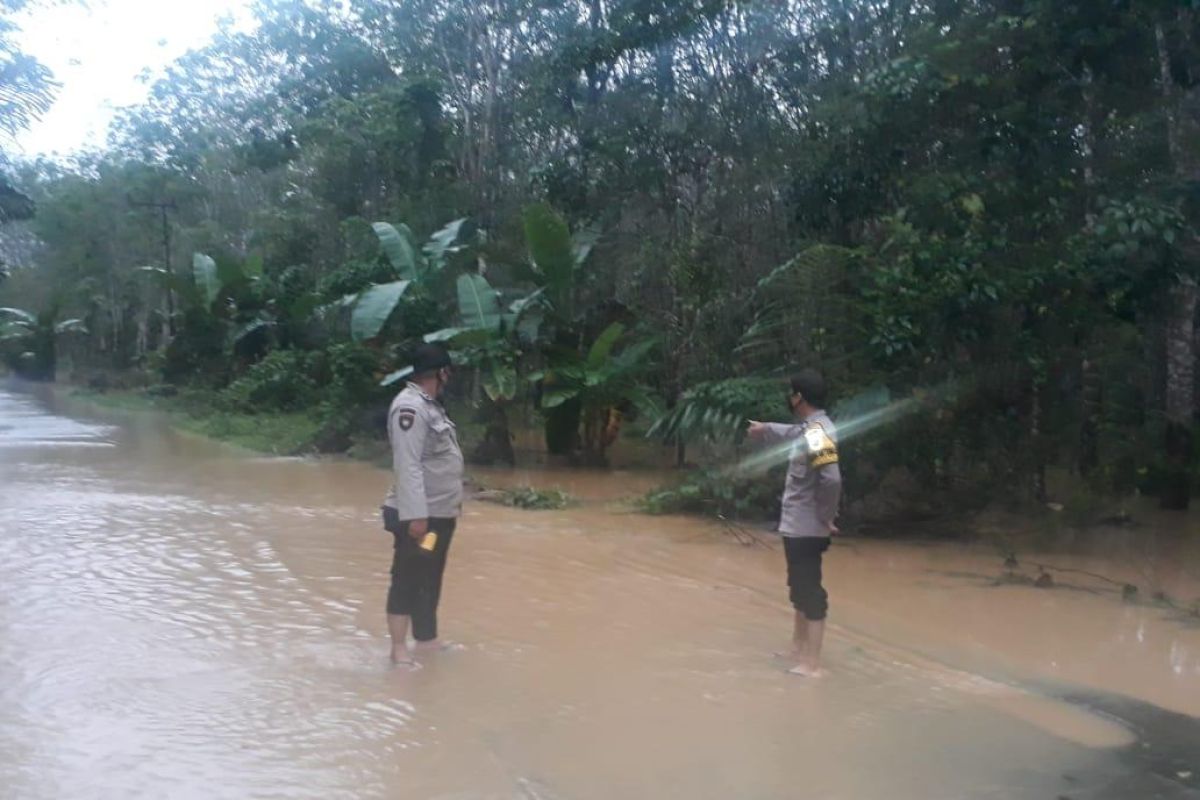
(194, 411)
(896, 506)
(315, 429)
(308, 431)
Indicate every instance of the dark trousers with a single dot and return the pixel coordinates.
(416, 585)
(804, 575)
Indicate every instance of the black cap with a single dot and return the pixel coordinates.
(430, 357)
(809, 384)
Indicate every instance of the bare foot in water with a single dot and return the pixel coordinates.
(402, 659)
(807, 671)
(438, 645)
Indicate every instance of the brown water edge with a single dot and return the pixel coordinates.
(177, 618)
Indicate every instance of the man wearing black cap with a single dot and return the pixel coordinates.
(810, 507)
(424, 502)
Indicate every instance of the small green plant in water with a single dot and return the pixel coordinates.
(528, 498)
(538, 499)
(716, 492)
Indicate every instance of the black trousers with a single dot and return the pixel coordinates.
(416, 586)
(807, 594)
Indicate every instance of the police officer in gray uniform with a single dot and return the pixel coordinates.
(424, 503)
(810, 504)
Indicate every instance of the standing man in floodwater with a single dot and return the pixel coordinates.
(424, 503)
(810, 504)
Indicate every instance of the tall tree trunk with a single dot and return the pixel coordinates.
(143, 336)
(1181, 334)
(496, 445)
(1092, 399)
(1181, 352)
(1181, 394)
(1037, 442)
(165, 322)
(1089, 374)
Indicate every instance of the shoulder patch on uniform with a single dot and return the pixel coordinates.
(405, 418)
(821, 448)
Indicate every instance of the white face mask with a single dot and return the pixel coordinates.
(443, 380)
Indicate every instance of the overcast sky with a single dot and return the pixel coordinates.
(97, 54)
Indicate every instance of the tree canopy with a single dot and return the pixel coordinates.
(988, 205)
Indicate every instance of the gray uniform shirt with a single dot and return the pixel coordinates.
(427, 464)
(814, 480)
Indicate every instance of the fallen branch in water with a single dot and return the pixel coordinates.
(1129, 591)
(1045, 580)
(1163, 598)
(1097, 576)
(740, 534)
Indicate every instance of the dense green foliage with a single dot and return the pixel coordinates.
(978, 218)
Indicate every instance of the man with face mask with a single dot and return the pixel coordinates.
(810, 505)
(423, 505)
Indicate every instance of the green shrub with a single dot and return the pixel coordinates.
(353, 277)
(537, 499)
(350, 373)
(718, 493)
(283, 381)
(197, 353)
(718, 410)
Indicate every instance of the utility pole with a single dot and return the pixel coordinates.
(163, 207)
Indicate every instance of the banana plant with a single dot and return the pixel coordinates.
(491, 341)
(374, 306)
(30, 341)
(558, 259)
(601, 382)
(486, 336)
(222, 290)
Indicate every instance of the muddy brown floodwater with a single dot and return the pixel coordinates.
(181, 620)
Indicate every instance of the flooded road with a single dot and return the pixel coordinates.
(180, 620)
